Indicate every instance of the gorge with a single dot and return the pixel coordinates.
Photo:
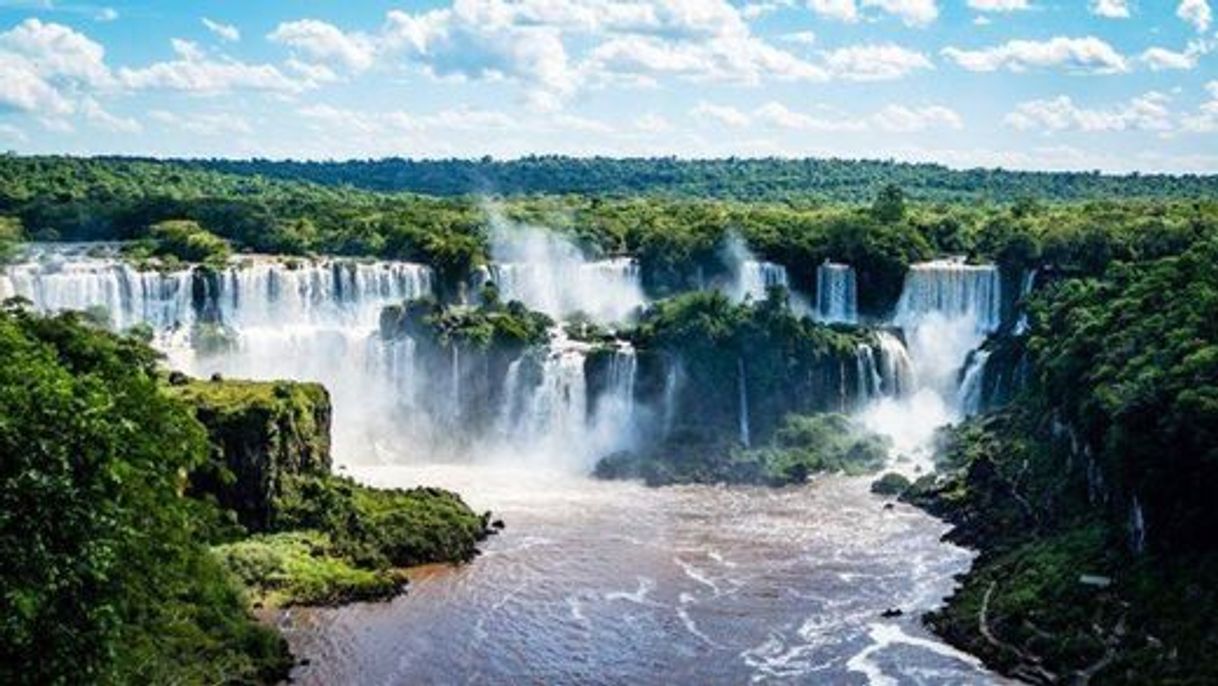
(450, 395)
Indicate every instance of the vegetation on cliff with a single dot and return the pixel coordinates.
(106, 575)
(321, 538)
(802, 446)
(116, 486)
(1090, 495)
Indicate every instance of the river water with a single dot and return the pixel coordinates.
(615, 583)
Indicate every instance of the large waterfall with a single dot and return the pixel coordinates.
(264, 318)
(836, 293)
(946, 310)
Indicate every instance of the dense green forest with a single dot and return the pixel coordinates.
(674, 239)
(768, 179)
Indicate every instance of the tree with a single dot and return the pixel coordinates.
(889, 205)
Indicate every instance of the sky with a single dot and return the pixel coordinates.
(1114, 85)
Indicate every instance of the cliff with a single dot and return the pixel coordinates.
(261, 434)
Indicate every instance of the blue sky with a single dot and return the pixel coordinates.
(1117, 85)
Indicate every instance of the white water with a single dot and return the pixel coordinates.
(550, 274)
(946, 311)
(318, 321)
(836, 294)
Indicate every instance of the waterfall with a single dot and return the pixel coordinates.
(883, 369)
(744, 402)
(836, 293)
(672, 380)
(550, 274)
(946, 310)
(971, 385)
(56, 281)
(1027, 282)
(951, 289)
(755, 278)
(276, 319)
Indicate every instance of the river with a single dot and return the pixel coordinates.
(612, 582)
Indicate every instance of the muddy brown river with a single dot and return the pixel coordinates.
(616, 583)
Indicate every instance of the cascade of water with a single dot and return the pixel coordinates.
(970, 394)
(883, 369)
(125, 296)
(672, 380)
(951, 289)
(742, 383)
(1025, 289)
(755, 278)
(946, 310)
(836, 293)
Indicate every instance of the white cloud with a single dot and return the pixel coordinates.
(1162, 59)
(1111, 9)
(24, 89)
(204, 123)
(799, 37)
(1197, 13)
(194, 73)
(1080, 55)
(891, 119)
(911, 12)
(1148, 112)
(999, 5)
(106, 14)
(652, 123)
(12, 133)
(842, 10)
(226, 32)
(1205, 119)
(875, 62)
(322, 42)
(58, 52)
(756, 10)
(903, 119)
(724, 114)
(98, 116)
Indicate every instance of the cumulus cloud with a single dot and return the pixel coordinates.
(193, 72)
(204, 123)
(999, 5)
(875, 62)
(723, 114)
(322, 42)
(98, 116)
(1111, 9)
(1205, 119)
(911, 12)
(1197, 13)
(1148, 112)
(57, 52)
(1162, 59)
(225, 32)
(893, 118)
(1080, 55)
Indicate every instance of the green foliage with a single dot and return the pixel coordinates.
(11, 234)
(304, 568)
(890, 484)
(803, 445)
(381, 528)
(735, 178)
(104, 578)
(189, 242)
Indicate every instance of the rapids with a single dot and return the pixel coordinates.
(615, 583)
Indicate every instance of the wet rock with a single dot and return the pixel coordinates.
(498, 524)
(892, 613)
